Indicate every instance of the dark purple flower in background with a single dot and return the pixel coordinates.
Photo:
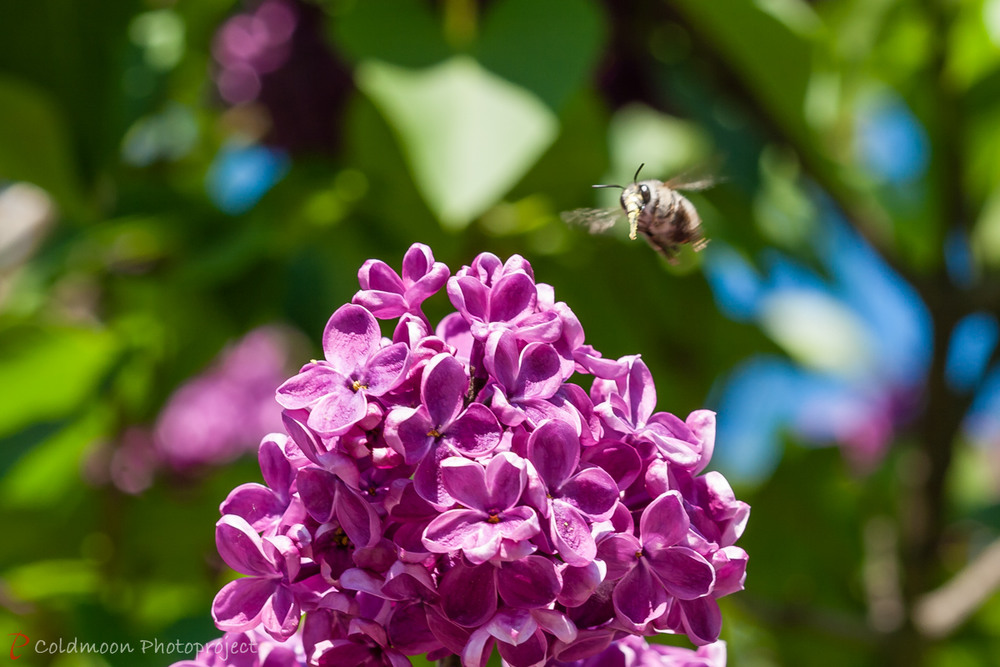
(449, 491)
(276, 69)
(214, 417)
(223, 412)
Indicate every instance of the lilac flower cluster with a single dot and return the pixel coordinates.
(448, 490)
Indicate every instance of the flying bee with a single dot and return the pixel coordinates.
(664, 216)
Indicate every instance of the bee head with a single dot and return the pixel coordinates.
(633, 200)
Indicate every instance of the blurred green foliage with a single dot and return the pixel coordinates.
(468, 126)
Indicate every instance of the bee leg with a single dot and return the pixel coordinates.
(666, 249)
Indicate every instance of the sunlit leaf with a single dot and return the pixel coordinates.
(52, 578)
(469, 136)
(49, 371)
(46, 474)
(665, 145)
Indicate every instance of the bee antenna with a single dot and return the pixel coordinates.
(608, 186)
(636, 177)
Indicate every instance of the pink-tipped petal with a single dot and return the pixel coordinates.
(350, 337)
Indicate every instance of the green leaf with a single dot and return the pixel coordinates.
(664, 144)
(519, 35)
(47, 372)
(48, 472)
(416, 39)
(468, 135)
(52, 579)
(34, 143)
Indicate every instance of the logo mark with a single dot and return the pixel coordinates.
(15, 645)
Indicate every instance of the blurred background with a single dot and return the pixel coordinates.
(187, 190)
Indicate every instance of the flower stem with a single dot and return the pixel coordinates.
(450, 661)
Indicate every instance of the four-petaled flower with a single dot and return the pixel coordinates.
(491, 496)
(336, 391)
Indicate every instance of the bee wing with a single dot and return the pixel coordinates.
(693, 180)
(681, 183)
(594, 220)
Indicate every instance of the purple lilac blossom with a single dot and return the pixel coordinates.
(448, 491)
(214, 417)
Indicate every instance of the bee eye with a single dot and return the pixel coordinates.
(644, 191)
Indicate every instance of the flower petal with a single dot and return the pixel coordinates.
(528, 583)
(506, 475)
(502, 359)
(458, 529)
(469, 593)
(730, 565)
(357, 517)
(556, 623)
(317, 490)
(544, 327)
(664, 521)
(386, 369)
(241, 547)
(518, 524)
(281, 614)
(554, 449)
(528, 653)
(427, 478)
(476, 432)
(338, 411)
(639, 596)
(701, 619)
(469, 296)
(443, 388)
(641, 392)
(312, 383)
(512, 626)
(350, 337)
(592, 491)
(274, 465)
(572, 536)
(512, 295)
(684, 572)
(539, 371)
(580, 582)
(239, 605)
(375, 274)
(618, 551)
(702, 425)
(408, 631)
(383, 305)
(465, 480)
(254, 502)
(619, 460)
(406, 431)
